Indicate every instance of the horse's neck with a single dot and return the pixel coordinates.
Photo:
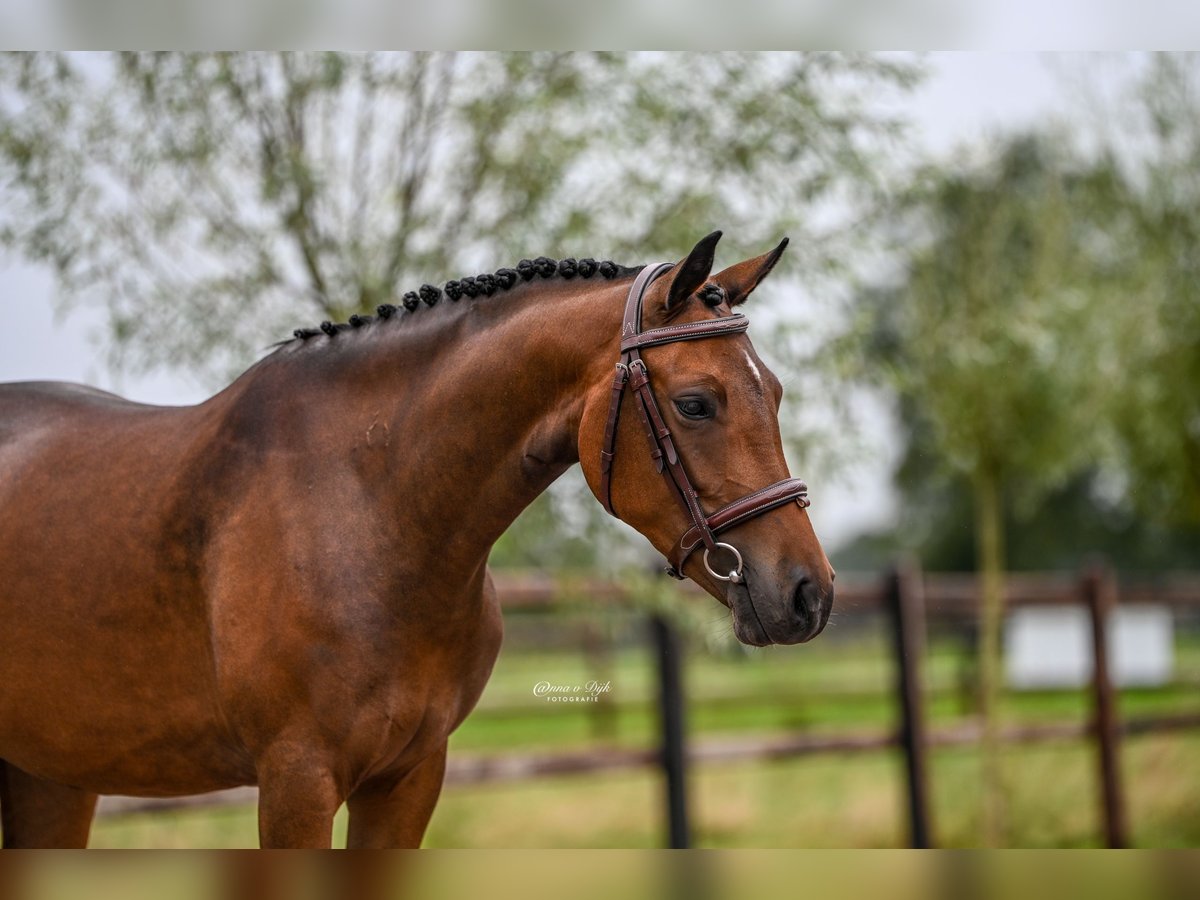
(458, 429)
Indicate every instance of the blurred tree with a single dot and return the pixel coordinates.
(1087, 516)
(181, 191)
(1159, 401)
(1140, 506)
(995, 337)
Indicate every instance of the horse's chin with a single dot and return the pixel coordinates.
(750, 633)
(747, 626)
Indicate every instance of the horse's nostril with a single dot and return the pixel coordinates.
(800, 603)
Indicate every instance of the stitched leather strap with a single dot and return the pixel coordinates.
(631, 324)
(739, 511)
(690, 331)
(620, 379)
(666, 457)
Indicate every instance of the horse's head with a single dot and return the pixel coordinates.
(698, 410)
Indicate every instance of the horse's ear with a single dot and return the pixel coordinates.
(742, 278)
(690, 273)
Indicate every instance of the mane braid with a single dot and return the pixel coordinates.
(484, 285)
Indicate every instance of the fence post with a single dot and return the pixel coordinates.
(904, 597)
(670, 706)
(1100, 595)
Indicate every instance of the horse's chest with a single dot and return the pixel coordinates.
(421, 692)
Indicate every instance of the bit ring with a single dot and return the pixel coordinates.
(735, 575)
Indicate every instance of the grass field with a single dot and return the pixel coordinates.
(841, 800)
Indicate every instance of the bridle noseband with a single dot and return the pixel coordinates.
(632, 373)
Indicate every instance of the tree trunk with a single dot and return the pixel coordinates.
(989, 561)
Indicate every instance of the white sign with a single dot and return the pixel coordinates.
(1051, 646)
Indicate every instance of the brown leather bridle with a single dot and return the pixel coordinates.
(632, 372)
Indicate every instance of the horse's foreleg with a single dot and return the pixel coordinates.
(394, 812)
(38, 813)
(297, 799)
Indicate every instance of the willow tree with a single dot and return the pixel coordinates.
(994, 334)
(210, 202)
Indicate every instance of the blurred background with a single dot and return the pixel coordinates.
(988, 328)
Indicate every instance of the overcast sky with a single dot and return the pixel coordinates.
(967, 97)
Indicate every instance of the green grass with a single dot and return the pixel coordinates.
(840, 800)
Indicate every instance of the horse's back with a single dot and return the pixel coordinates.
(33, 398)
(41, 407)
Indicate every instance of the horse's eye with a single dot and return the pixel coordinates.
(693, 408)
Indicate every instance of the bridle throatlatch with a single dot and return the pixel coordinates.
(632, 373)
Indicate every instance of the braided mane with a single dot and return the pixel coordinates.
(484, 285)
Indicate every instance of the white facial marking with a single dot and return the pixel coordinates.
(754, 371)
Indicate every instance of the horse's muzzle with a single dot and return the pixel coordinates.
(792, 613)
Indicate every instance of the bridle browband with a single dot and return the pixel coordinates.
(632, 373)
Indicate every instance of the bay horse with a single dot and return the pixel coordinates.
(286, 585)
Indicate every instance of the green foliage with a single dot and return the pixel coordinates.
(1075, 522)
(996, 334)
(1158, 415)
(1098, 398)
